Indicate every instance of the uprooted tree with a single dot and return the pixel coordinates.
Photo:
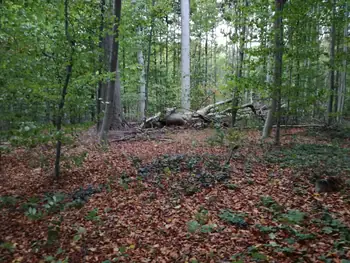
(216, 112)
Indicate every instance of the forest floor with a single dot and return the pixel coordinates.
(173, 199)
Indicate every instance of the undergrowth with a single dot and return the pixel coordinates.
(331, 159)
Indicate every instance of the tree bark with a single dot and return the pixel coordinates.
(141, 62)
(149, 60)
(185, 55)
(276, 94)
(332, 65)
(342, 91)
(236, 93)
(142, 84)
(118, 114)
(99, 97)
(64, 89)
(107, 118)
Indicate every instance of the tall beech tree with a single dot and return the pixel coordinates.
(275, 110)
(185, 55)
(113, 105)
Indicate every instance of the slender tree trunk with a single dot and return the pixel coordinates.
(185, 55)
(167, 50)
(174, 51)
(276, 94)
(141, 62)
(194, 66)
(106, 124)
(142, 84)
(102, 61)
(64, 89)
(214, 61)
(236, 92)
(317, 78)
(149, 60)
(332, 66)
(206, 60)
(278, 64)
(199, 75)
(342, 91)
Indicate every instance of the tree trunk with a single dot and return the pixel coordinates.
(142, 84)
(107, 118)
(332, 65)
(185, 55)
(206, 61)
(149, 60)
(167, 51)
(141, 62)
(118, 115)
(236, 92)
(215, 66)
(99, 97)
(276, 94)
(342, 91)
(64, 90)
(174, 52)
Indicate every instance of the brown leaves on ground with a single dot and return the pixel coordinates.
(136, 221)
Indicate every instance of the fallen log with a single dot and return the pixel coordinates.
(199, 118)
(205, 110)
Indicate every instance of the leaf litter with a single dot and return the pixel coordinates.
(171, 201)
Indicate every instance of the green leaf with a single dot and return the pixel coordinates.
(76, 238)
(259, 256)
(272, 235)
(193, 226)
(122, 249)
(327, 230)
(208, 228)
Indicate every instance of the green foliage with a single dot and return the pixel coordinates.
(32, 202)
(321, 157)
(269, 202)
(54, 231)
(200, 171)
(37, 208)
(218, 137)
(8, 246)
(208, 228)
(53, 259)
(200, 223)
(234, 137)
(34, 214)
(333, 225)
(232, 186)
(266, 229)
(293, 217)
(233, 218)
(125, 180)
(31, 135)
(80, 231)
(54, 203)
(77, 204)
(193, 226)
(8, 201)
(79, 159)
(230, 137)
(93, 215)
(202, 216)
